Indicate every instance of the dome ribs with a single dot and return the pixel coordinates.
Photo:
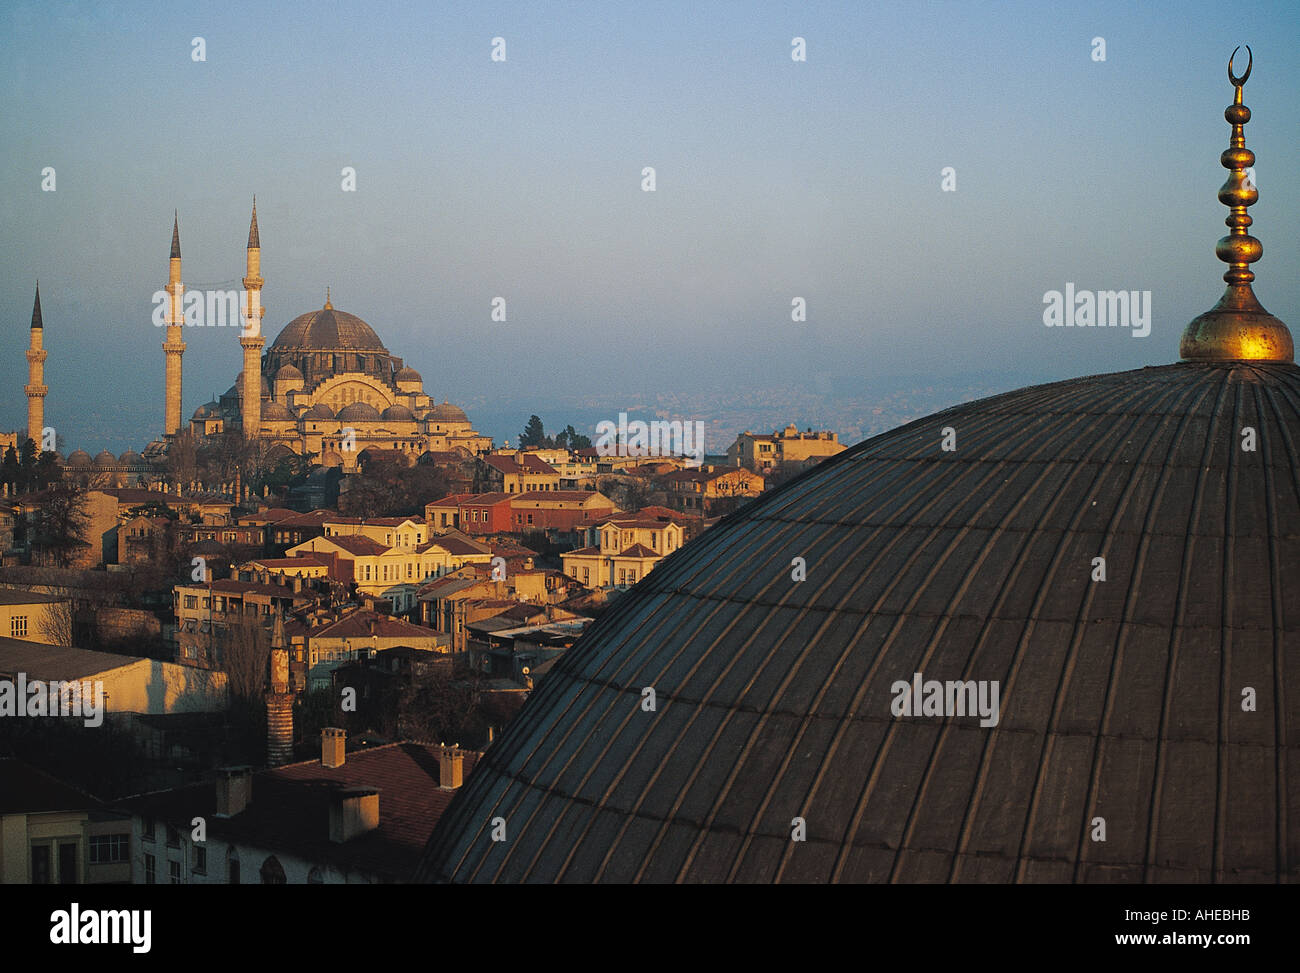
(1119, 699)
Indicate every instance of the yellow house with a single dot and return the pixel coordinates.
(395, 573)
(622, 551)
(36, 618)
(789, 445)
(406, 533)
(51, 833)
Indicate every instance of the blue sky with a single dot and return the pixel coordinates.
(522, 179)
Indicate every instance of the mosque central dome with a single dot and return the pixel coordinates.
(327, 330)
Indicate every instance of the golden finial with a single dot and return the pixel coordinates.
(328, 305)
(1237, 328)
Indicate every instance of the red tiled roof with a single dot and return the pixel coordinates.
(586, 552)
(638, 550)
(511, 464)
(568, 496)
(312, 518)
(455, 545)
(376, 521)
(305, 559)
(453, 500)
(289, 810)
(357, 624)
(358, 545)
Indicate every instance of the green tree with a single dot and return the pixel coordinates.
(534, 436)
(570, 438)
(62, 523)
(9, 470)
(27, 456)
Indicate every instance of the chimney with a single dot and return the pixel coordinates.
(333, 747)
(451, 765)
(234, 790)
(353, 811)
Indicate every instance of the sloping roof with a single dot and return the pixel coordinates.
(776, 696)
(48, 662)
(637, 550)
(567, 496)
(358, 624)
(26, 790)
(513, 464)
(289, 810)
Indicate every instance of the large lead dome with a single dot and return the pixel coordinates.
(1150, 698)
(1120, 699)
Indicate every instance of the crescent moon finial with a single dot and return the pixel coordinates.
(1236, 81)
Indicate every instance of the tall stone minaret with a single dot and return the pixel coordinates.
(173, 346)
(250, 337)
(279, 699)
(36, 387)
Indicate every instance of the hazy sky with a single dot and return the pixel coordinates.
(775, 179)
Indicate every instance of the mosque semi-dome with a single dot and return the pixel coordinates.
(407, 374)
(288, 373)
(358, 412)
(446, 413)
(320, 410)
(398, 413)
(274, 411)
(950, 664)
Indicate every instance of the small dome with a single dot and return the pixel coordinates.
(288, 373)
(408, 374)
(275, 411)
(130, 458)
(319, 411)
(105, 458)
(447, 413)
(358, 411)
(209, 410)
(79, 457)
(399, 412)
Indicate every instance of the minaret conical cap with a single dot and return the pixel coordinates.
(254, 242)
(1237, 328)
(36, 310)
(176, 237)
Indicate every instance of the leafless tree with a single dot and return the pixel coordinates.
(242, 650)
(57, 627)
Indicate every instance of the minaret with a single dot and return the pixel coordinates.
(173, 346)
(1237, 328)
(250, 337)
(36, 387)
(279, 699)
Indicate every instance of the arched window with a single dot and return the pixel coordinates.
(314, 877)
(272, 872)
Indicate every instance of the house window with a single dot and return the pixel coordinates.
(109, 849)
(174, 872)
(232, 866)
(150, 870)
(147, 829)
(191, 601)
(41, 865)
(200, 860)
(173, 837)
(18, 627)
